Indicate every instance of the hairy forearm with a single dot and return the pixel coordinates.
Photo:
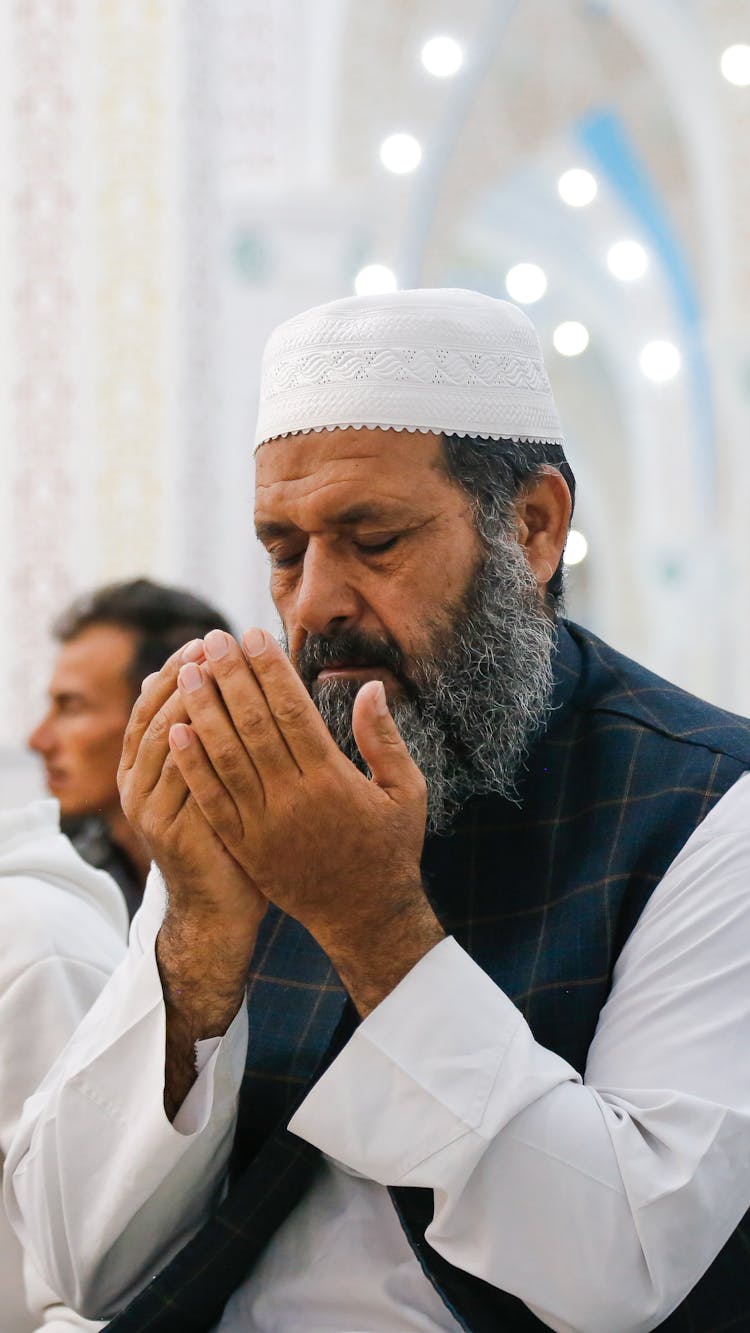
(203, 967)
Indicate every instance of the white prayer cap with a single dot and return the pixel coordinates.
(438, 360)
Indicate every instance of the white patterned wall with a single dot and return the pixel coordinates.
(43, 321)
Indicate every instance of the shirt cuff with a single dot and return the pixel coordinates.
(128, 1023)
(423, 1070)
(195, 1112)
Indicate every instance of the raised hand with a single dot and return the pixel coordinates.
(332, 848)
(214, 909)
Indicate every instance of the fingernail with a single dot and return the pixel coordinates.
(148, 681)
(380, 701)
(179, 736)
(254, 641)
(192, 651)
(217, 644)
(190, 677)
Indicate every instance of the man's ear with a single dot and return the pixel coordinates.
(543, 512)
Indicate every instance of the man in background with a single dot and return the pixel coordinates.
(110, 640)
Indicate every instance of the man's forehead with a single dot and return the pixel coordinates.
(363, 454)
(99, 655)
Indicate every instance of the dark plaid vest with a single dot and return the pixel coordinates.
(543, 895)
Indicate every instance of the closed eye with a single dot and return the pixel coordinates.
(365, 546)
(284, 561)
(375, 548)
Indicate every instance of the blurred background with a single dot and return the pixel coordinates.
(180, 175)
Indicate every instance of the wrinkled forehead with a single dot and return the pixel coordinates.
(368, 463)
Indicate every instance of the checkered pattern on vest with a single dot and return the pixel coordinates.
(543, 895)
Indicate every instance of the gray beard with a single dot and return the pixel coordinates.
(474, 704)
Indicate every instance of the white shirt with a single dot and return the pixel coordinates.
(63, 927)
(598, 1203)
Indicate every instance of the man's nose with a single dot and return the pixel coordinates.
(42, 739)
(327, 600)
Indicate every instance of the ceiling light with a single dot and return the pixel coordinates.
(442, 56)
(627, 260)
(577, 187)
(375, 278)
(660, 361)
(400, 153)
(526, 283)
(576, 548)
(570, 338)
(735, 65)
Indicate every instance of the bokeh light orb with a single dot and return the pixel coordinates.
(570, 338)
(627, 260)
(400, 153)
(374, 279)
(526, 283)
(660, 360)
(442, 56)
(576, 548)
(735, 65)
(577, 187)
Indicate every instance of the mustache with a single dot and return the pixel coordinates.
(350, 647)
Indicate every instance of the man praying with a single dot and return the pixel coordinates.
(435, 1016)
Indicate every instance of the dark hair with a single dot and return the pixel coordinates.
(162, 618)
(495, 472)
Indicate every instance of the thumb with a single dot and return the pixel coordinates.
(381, 745)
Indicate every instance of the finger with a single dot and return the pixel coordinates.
(155, 691)
(200, 778)
(382, 747)
(217, 732)
(170, 793)
(248, 708)
(140, 780)
(294, 712)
